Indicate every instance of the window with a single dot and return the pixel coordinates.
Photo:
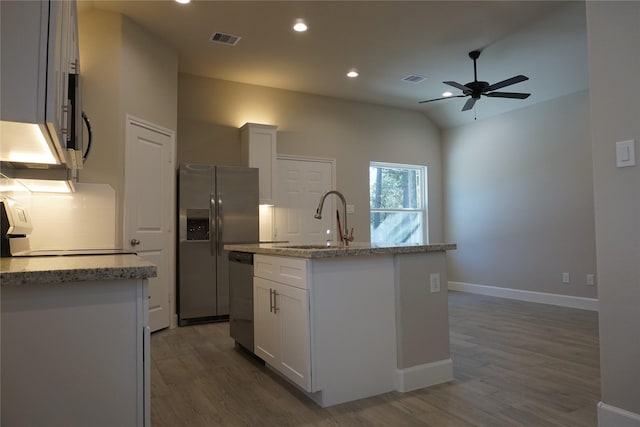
(397, 202)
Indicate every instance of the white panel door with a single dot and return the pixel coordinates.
(150, 209)
(301, 182)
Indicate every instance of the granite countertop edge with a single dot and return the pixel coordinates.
(65, 269)
(332, 251)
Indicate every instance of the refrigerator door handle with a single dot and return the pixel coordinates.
(220, 223)
(213, 232)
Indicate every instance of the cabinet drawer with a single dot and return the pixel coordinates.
(291, 271)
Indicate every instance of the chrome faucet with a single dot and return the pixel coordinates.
(347, 235)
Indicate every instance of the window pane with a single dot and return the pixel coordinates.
(394, 188)
(396, 228)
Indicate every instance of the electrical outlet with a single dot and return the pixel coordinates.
(565, 277)
(590, 279)
(435, 282)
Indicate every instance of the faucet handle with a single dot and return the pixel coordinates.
(348, 236)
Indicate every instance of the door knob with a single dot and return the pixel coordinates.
(135, 242)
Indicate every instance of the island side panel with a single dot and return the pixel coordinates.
(72, 353)
(422, 321)
(353, 328)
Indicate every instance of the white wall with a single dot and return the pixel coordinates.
(212, 111)
(125, 70)
(519, 199)
(614, 67)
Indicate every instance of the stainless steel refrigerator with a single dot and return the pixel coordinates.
(217, 205)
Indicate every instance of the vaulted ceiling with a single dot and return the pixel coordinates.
(385, 41)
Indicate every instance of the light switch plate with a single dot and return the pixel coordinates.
(625, 153)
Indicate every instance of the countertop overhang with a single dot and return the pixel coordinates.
(61, 269)
(336, 250)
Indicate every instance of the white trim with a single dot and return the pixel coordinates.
(150, 126)
(611, 416)
(530, 296)
(305, 158)
(425, 375)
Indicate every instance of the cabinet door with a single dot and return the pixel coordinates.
(265, 333)
(293, 312)
(258, 150)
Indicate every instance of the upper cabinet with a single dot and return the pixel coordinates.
(40, 83)
(258, 150)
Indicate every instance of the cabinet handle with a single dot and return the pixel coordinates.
(275, 302)
(270, 300)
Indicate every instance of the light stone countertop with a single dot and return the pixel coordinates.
(61, 269)
(336, 250)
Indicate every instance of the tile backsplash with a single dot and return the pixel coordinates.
(84, 219)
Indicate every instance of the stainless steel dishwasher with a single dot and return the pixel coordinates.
(241, 298)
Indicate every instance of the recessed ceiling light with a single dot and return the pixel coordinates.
(183, 1)
(352, 74)
(446, 94)
(300, 26)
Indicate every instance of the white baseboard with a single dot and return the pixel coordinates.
(424, 375)
(611, 416)
(530, 296)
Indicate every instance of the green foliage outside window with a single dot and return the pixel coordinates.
(396, 194)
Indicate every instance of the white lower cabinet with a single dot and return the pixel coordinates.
(281, 318)
(76, 354)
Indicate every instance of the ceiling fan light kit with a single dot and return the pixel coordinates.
(475, 89)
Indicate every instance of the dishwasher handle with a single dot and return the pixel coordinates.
(241, 257)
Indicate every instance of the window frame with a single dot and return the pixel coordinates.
(424, 210)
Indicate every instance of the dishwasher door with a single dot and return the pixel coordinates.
(241, 298)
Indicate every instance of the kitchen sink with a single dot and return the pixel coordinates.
(317, 246)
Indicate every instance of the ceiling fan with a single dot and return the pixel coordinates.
(477, 88)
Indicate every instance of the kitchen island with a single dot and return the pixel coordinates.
(75, 342)
(348, 322)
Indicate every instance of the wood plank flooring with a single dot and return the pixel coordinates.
(515, 364)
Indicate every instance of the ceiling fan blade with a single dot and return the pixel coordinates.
(469, 104)
(513, 95)
(445, 97)
(457, 85)
(508, 82)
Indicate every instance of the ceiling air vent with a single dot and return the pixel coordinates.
(414, 78)
(223, 38)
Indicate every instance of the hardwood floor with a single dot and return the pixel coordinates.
(515, 364)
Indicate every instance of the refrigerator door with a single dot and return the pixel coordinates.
(237, 201)
(196, 246)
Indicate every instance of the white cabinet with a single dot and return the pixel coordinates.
(39, 51)
(281, 317)
(258, 150)
(75, 354)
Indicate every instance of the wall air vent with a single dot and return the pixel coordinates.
(223, 38)
(414, 78)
